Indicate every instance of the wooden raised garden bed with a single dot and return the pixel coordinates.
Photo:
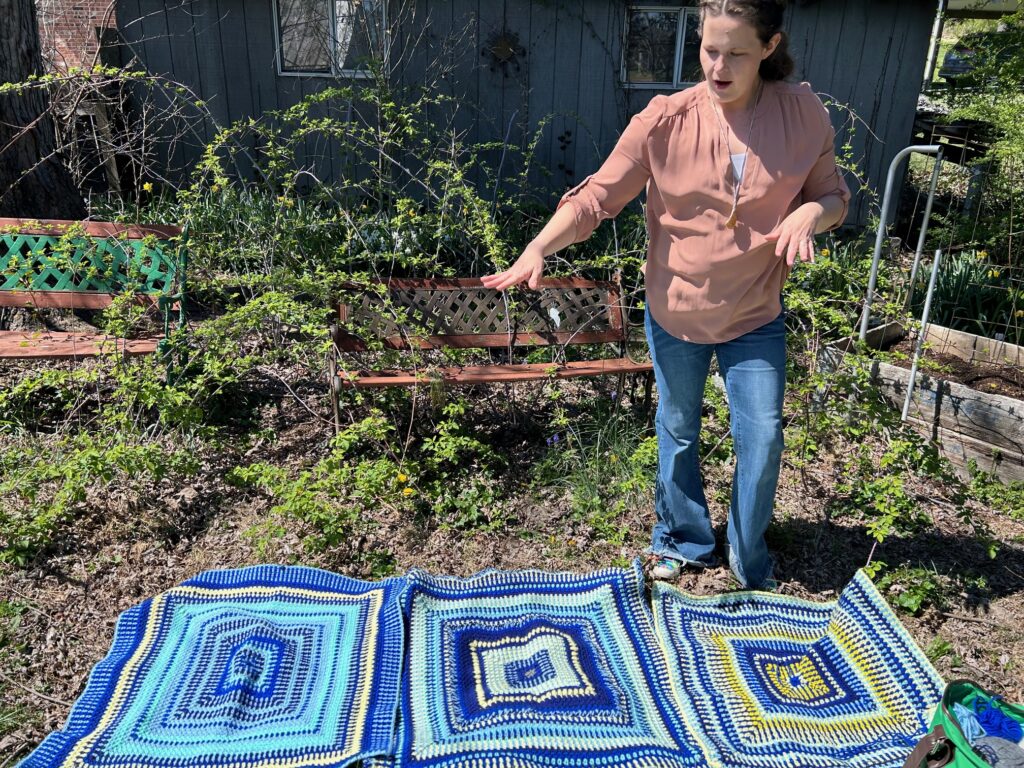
(982, 420)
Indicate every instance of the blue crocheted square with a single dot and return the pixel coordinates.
(537, 669)
(266, 666)
(777, 681)
(529, 672)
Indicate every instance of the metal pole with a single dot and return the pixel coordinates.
(924, 226)
(933, 49)
(921, 334)
(890, 182)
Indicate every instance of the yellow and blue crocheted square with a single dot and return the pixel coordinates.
(777, 681)
(536, 669)
(269, 666)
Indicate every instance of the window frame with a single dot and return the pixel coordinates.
(335, 73)
(684, 11)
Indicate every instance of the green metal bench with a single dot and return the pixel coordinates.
(89, 265)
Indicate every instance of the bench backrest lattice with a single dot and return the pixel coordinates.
(86, 265)
(420, 315)
(434, 314)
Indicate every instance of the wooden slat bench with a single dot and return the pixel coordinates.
(435, 314)
(88, 265)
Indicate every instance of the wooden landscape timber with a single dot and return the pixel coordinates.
(966, 424)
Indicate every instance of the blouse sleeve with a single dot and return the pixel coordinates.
(620, 179)
(825, 178)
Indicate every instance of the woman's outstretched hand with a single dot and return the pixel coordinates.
(558, 233)
(794, 236)
(529, 268)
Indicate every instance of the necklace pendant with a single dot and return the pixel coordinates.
(732, 221)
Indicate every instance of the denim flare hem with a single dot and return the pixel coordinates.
(753, 367)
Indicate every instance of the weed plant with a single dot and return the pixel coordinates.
(605, 462)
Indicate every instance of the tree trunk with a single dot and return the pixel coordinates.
(33, 182)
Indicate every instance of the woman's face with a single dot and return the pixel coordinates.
(730, 54)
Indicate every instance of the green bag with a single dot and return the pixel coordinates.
(945, 743)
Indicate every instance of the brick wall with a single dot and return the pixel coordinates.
(67, 30)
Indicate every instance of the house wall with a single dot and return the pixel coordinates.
(68, 30)
(867, 54)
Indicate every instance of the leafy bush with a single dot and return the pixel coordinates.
(975, 295)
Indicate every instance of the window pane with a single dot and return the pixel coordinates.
(358, 32)
(690, 72)
(305, 35)
(651, 46)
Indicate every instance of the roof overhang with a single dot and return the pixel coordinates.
(980, 9)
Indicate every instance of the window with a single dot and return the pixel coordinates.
(328, 37)
(662, 47)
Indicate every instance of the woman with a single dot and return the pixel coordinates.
(740, 175)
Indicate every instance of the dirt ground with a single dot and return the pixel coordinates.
(991, 378)
(121, 552)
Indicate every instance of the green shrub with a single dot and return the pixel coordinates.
(45, 482)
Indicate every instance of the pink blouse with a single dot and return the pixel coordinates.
(707, 283)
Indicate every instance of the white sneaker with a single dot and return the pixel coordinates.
(666, 569)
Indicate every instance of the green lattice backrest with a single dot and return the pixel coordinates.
(88, 257)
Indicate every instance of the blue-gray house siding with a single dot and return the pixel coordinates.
(867, 54)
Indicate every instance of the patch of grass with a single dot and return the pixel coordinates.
(715, 436)
(13, 718)
(606, 462)
(10, 619)
(989, 490)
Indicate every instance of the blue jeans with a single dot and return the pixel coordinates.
(754, 369)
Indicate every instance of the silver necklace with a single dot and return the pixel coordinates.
(732, 221)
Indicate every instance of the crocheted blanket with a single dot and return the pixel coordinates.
(776, 681)
(270, 666)
(537, 669)
(287, 667)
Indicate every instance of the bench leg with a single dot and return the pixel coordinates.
(334, 388)
(335, 406)
(621, 391)
(648, 384)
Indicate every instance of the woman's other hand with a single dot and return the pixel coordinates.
(794, 236)
(529, 268)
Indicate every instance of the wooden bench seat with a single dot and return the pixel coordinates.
(28, 345)
(438, 314)
(480, 374)
(56, 264)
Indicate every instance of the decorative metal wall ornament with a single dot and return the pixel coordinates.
(503, 50)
